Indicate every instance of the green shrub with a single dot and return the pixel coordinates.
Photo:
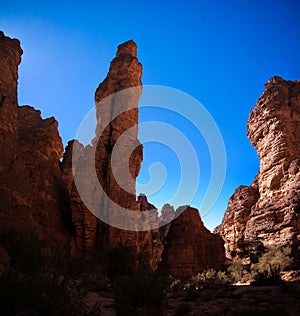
(210, 278)
(270, 265)
(175, 285)
(277, 258)
(237, 272)
(267, 277)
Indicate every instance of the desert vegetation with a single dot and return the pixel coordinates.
(57, 282)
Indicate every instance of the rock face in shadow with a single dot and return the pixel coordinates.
(267, 213)
(190, 248)
(115, 152)
(33, 197)
(151, 242)
(73, 152)
(167, 215)
(70, 202)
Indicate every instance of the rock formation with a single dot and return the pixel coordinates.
(167, 215)
(190, 248)
(151, 243)
(267, 213)
(44, 196)
(33, 197)
(116, 117)
(73, 152)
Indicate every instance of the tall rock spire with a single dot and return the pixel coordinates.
(116, 101)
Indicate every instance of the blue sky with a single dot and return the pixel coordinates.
(219, 52)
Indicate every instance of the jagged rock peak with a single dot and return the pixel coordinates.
(10, 58)
(125, 71)
(279, 80)
(145, 205)
(128, 47)
(12, 41)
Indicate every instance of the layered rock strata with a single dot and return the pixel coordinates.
(267, 213)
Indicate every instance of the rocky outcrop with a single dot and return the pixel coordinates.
(40, 194)
(10, 58)
(235, 219)
(125, 72)
(33, 197)
(117, 127)
(74, 150)
(151, 244)
(267, 213)
(167, 215)
(190, 248)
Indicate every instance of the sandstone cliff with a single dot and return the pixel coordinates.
(39, 193)
(33, 197)
(267, 213)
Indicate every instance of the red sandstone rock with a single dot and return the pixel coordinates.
(190, 247)
(10, 58)
(125, 72)
(167, 215)
(267, 212)
(151, 242)
(33, 197)
(73, 152)
(37, 191)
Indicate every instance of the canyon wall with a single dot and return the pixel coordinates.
(43, 188)
(34, 200)
(267, 213)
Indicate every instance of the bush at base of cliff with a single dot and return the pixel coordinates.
(270, 266)
(210, 278)
(237, 272)
(277, 258)
(267, 278)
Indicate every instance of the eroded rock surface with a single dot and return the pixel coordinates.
(191, 248)
(116, 130)
(41, 196)
(33, 197)
(266, 214)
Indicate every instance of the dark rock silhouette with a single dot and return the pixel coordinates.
(190, 248)
(33, 197)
